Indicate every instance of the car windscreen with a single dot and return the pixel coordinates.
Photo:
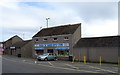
(45, 54)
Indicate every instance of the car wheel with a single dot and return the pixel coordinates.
(55, 59)
(38, 59)
(45, 59)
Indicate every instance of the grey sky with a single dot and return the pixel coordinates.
(97, 18)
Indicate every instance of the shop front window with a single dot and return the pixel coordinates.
(63, 52)
(39, 52)
(50, 50)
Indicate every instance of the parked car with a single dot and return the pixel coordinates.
(47, 56)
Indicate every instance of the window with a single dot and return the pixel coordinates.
(36, 40)
(39, 52)
(50, 51)
(45, 39)
(50, 54)
(63, 52)
(66, 38)
(55, 39)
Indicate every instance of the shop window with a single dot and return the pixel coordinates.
(44, 39)
(39, 52)
(50, 50)
(55, 39)
(63, 52)
(66, 38)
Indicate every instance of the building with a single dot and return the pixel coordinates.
(8, 49)
(22, 48)
(1, 48)
(94, 47)
(59, 40)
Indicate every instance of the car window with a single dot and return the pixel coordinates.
(45, 54)
(50, 54)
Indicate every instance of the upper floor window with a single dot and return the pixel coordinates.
(66, 38)
(45, 39)
(55, 39)
(36, 40)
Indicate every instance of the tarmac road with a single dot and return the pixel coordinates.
(11, 64)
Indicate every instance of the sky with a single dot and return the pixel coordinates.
(25, 19)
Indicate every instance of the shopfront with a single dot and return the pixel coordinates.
(59, 40)
(39, 51)
(61, 49)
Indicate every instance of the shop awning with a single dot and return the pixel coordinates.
(39, 48)
(62, 48)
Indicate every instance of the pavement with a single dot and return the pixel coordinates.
(13, 64)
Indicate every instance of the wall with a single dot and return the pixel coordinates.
(109, 54)
(26, 51)
(75, 38)
(7, 45)
(16, 39)
(77, 35)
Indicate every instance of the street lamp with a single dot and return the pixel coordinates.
(40, 28)
(47, 21)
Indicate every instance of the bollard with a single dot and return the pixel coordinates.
(119, 62)
(100, 60)
(35, 62)
(84, 59)
(73, 60)
(79, 59)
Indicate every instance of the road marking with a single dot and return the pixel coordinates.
(55, 67)
(69, 69)
(101, 69)
(72, 66)
(9, 59)
(50, 63)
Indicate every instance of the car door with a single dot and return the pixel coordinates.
(50, 56)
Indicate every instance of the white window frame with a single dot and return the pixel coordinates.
(36, 39)
(65, 38)
(44, 39)
(55, 40)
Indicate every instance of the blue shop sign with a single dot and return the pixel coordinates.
(52, 45)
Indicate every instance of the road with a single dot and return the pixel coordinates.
(11, 64)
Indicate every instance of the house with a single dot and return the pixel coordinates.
(8, 44)
(1, 48)
(59, 40)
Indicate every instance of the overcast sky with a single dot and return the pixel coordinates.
(97, 18)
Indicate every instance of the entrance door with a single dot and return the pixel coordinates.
(50, 50)
(11, 51)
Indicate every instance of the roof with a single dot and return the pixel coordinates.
(12, 38)
(58, 30)
(1, 42)
(108, 41)
(20, 43)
